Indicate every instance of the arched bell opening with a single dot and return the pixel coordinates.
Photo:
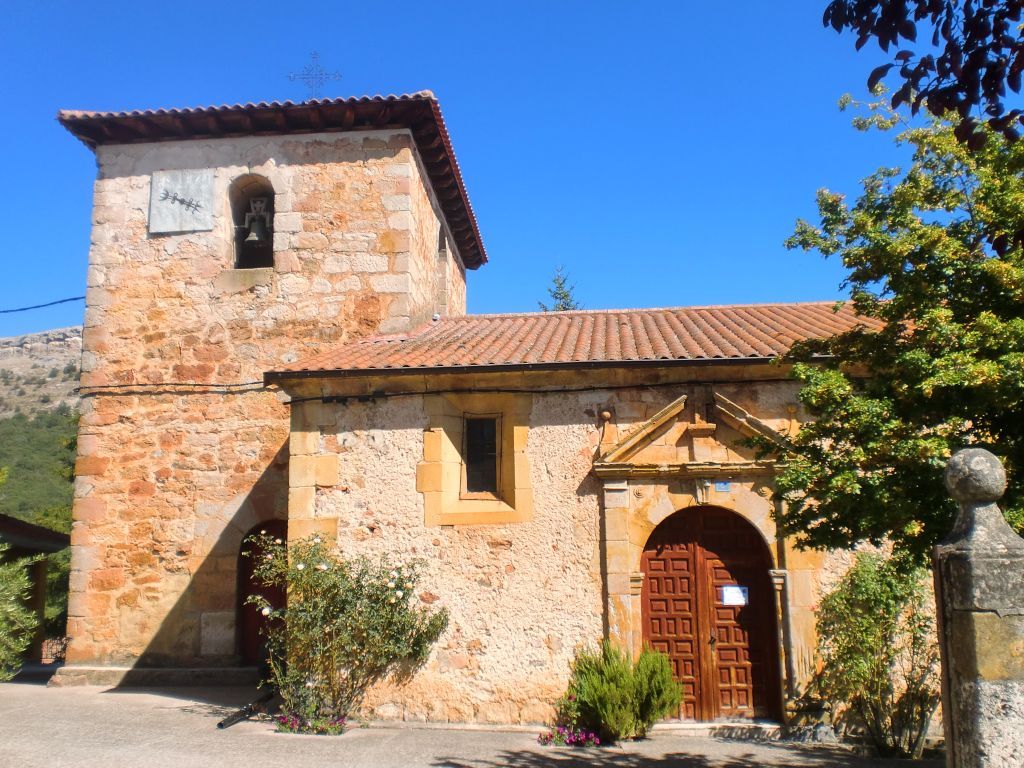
(252, 211)
(251, 623)
(708, 602)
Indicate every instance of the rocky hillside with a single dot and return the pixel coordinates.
(39, 371)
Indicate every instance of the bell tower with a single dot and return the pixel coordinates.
(227, 241)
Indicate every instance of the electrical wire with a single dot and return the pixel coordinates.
(151, 385)
(40, 306)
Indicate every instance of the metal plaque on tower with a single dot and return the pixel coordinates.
(181, 201)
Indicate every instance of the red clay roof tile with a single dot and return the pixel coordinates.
(740, 332)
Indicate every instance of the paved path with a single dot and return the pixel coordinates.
(91, 726)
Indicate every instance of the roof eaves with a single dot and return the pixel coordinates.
(270, 377)
(314, 116)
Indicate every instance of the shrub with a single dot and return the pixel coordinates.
(603, 685)
(614, 698)
(879, 654)
(348, 624)
(17, 622)
(657, 692)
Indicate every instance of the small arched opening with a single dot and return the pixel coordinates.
(251, 623)
(708, 602)
(252, 211)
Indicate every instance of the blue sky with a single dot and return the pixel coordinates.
(660, 151)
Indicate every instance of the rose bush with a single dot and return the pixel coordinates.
(348, 624)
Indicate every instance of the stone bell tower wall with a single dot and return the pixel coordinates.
(181, 449)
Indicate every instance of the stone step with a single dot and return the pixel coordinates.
(75, 674)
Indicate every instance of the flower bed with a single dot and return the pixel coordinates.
(325, 726)
(569, 737)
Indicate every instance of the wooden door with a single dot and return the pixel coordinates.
(724, 655)
(251, 622)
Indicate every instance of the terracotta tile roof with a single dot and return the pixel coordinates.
(419, 112)
(603, 337)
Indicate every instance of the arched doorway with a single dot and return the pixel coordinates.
(708, 603)
(250, 621)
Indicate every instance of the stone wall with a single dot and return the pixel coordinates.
(181, 450)
(523, 596)
(437, 276)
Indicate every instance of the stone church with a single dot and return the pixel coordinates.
(276, 338)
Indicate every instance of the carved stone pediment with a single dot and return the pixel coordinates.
(699, 441)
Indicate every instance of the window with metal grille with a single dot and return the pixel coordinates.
(480, 455)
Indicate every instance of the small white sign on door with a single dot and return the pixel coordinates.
(733, 594)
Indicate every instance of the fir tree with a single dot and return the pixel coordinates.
(560, 293)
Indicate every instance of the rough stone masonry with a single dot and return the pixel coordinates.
(178, 457)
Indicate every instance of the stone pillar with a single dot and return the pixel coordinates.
(616, 566)
(980, 600)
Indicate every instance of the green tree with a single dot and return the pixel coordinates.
(560, 293)
(977, 50)
(934, 267)
(879, 656)
(39, 452)
(17, 622)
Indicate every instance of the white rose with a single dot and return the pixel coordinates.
(300, 566)
(265, 611)
(322, 566)
(399, 593)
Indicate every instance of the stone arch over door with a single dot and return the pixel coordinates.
(698, 565)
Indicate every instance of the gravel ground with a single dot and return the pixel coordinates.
(176, 728)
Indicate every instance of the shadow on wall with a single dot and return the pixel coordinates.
(201, 631)
(788, 755)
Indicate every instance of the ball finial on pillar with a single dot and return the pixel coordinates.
(975, 475)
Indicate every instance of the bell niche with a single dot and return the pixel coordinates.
(252, 211)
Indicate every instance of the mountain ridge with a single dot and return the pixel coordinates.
(40, 371)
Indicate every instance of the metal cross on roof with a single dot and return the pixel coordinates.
(314, 76)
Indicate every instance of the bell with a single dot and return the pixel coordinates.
(257, 230)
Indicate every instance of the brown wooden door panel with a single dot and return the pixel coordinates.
(251, 623)
(668, 615)
(724, 656)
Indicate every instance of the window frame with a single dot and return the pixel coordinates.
(464, 492)
(440, 476)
